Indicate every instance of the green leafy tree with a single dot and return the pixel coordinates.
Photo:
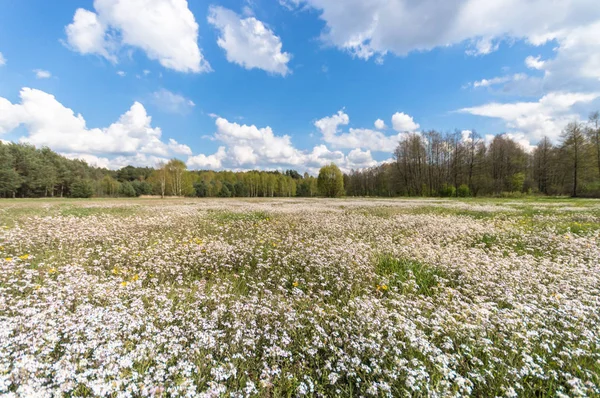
(82, 189)
(10, 180)
(463, 191)
(127, 190)
(518, 180)
(574, 145)
(330, 181)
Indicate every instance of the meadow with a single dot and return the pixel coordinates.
(300, 297)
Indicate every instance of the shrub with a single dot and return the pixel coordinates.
(463, 191)
(447, 191)
(126, 189)
(141, 187)
(82, 189)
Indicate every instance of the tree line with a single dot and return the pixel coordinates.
(28, 172)
(426, 164)
(437, 164)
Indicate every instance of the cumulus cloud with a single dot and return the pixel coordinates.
(530, 121)
(50, 123)
(360, 159)
(372, 140)
(178, 148)
(171, 102)
(87, 35)
(121, 73)
(165, 30)
(42, 74)
(534, 62)
(212, 162)
(250, 144)
(381, 26)
(379, 124)
(250, 147)
(576, 66)
(2, 60)
(401, 122)
(248, 42)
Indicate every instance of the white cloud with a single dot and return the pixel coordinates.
(42, 74)
(121, 73)
(138, 160)
(2, 60)
(178, 148)
(534, 62)
(401, 122)
(576, 66)
(379, 124)
(165, 30)
(367, 28)
(213, 162)
(533, 120)
(171, 102)
(251, 147)
(466, 135)
(248, 42)
(87, 35)
(499, 80)
(250, 144)
(360, 159)
(49, 123)
(360, 137)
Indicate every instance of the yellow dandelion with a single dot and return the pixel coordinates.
(295, 284)
(135, 277)
(24, 257)
(124, 283)
(115, 271)
(8, 259)
(52, 270)
(384, 287)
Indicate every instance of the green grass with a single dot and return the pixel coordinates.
(230, 216)
(398, 271)
(98, 211)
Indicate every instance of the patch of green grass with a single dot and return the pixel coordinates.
(445, 211)
(489, 240)
(77, 211)
(578, 228)
(230, 216)
(514, 244)
(400, 270)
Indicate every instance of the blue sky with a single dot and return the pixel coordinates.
(289, 83)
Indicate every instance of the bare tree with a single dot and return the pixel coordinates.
(162, 176)
(593, 132)
(574, 143)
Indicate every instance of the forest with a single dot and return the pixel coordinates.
(427, 164)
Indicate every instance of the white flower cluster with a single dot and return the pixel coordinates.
(300, 297)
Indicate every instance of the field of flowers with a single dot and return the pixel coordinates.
(272, 298)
